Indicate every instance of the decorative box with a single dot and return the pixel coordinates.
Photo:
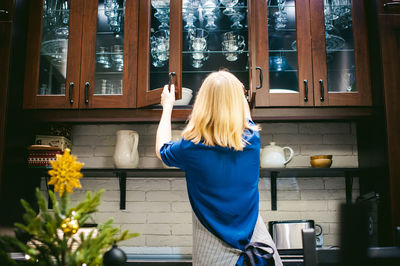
(41, 155)
(54, 141)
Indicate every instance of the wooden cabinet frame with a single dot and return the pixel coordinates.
(81, 60)
(362, 62)
(145, 95)
(264, 97)
(311, 57)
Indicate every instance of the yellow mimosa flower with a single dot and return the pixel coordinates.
(65, 173)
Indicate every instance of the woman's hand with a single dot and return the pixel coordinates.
(168, 97)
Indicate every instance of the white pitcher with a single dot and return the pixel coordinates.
(126, 153)
(273, 156)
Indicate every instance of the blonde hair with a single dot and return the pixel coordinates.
(218, 116)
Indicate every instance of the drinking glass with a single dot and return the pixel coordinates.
(198, 44)
(229, 4)
(118, 56)
(236, 17)
(280, 16)
(210, 8)
(233, 44)
(189, 9)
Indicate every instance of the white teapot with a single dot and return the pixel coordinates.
(273, 156)
(126, 153)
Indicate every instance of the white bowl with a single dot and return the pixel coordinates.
(282, 91)
(187, 95)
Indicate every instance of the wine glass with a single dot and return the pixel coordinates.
(229, 4)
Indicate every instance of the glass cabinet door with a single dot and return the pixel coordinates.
(51, 76)
(191, 38)
(215, 36)
(108, 77)
(159, 49)
(284, 41)
(341, 63)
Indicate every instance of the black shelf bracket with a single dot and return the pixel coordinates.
(349, 186)
(274, 199)
(122, 189)
(275, 173)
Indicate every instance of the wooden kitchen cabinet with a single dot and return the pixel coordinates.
(312, 53)
(81, 54)
(295, 53)
(287, 53)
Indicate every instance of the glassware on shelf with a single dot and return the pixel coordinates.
(160, 47)
(278, 63)
(348, 80)
(162, 12)
(108, 86)
(189, 9)
(117, 57)
(232, 45)
(102, 88)
(56, 19)
(210, 13)
(161, 6)
(229, 4)
(117, 87)
(198, 44)
(280, 16)
(102, 58)
(236, 17)
(113, 13)
(44, 89)
(62, 28)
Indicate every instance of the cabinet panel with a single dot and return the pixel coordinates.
(53, 59)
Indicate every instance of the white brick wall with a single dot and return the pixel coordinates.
(158, 208)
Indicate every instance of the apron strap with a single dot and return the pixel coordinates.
(254, 251)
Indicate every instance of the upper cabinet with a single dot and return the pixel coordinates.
(186, 40)
(91, 54)
(81, 54)
(315, 53)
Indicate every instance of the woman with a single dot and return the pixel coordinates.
(220, 154)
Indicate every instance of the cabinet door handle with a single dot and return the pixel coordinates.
(391, 4)
(261, 78)
(71, 88)
(87, 85)
(170, 77)
(321, 84)
(305, 90)
(3, 11)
